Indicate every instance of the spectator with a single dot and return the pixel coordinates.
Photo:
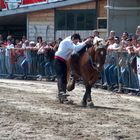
(137, 48)
(41, 60)
(57, 42)
(112, 33)
(27, 62)
(124, 43)
(33, 52)
(96, 36)
(8, 57)
(138, 31)
(39, 42)
(1, 40)
(110, 69)
(1, 55)
(19, 57)
(49, 59)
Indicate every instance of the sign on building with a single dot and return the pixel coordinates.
(54, 0)
(12, 4)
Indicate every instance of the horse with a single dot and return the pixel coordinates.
(87, 65)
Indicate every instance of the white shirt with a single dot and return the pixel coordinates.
(97, 39)
(38, 45)
(7, 50)
(67, 47)
(113, 46)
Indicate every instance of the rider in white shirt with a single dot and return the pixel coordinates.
(65, 50)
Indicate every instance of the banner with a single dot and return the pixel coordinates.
(12, 4)
(54, 0)
(13, 1)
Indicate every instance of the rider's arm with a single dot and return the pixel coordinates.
(81, 45)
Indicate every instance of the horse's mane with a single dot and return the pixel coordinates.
(83, 50)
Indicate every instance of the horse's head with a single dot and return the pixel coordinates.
(100, 55)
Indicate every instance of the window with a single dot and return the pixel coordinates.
(61, 21)
(76, 20)
(102, 23)
(70, 21)
(80, 21)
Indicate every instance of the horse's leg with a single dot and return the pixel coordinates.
(87, 100)
(84, 100)
(86, 95)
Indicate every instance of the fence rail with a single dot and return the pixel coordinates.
(25, 63)
(120, 68)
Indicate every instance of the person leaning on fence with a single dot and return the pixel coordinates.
(137, 47)
(49, 62)
(39, 57)
(1, 40)
(27, 62)
(23, 41)
(1, 54)
(112, 33)
(33, 52)
(19, 57)
(138, 31)
(66, 48)
(123, 42)
(97, 37)
(110, 68)
(39, 42)
(57, 42)
(8, 57)
(41, 60)
(133, 79)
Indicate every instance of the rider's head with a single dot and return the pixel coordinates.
(75, 38)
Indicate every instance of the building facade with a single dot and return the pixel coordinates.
(56, 19)
(64, 21)
(123, 15)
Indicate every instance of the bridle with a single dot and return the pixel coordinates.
(92, 60)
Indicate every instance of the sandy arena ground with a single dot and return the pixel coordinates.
(29, 111)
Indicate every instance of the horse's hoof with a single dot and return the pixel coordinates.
(83, 104)
(63, 97)
(68, 102)
(70, 87)
(90, 104)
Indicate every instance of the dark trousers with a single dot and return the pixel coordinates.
(61, 74)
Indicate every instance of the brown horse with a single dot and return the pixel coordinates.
(88, 66)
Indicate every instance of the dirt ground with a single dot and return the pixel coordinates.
(29, 111)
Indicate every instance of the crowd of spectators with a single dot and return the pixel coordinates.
(29, 58)
(121, 66)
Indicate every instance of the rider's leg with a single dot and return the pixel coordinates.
(61, 73)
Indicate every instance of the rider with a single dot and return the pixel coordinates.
(66, 48)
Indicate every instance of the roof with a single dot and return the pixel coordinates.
(41, 6)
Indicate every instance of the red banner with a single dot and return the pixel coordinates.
(4, 5)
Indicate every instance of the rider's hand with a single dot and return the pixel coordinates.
(89, 40)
